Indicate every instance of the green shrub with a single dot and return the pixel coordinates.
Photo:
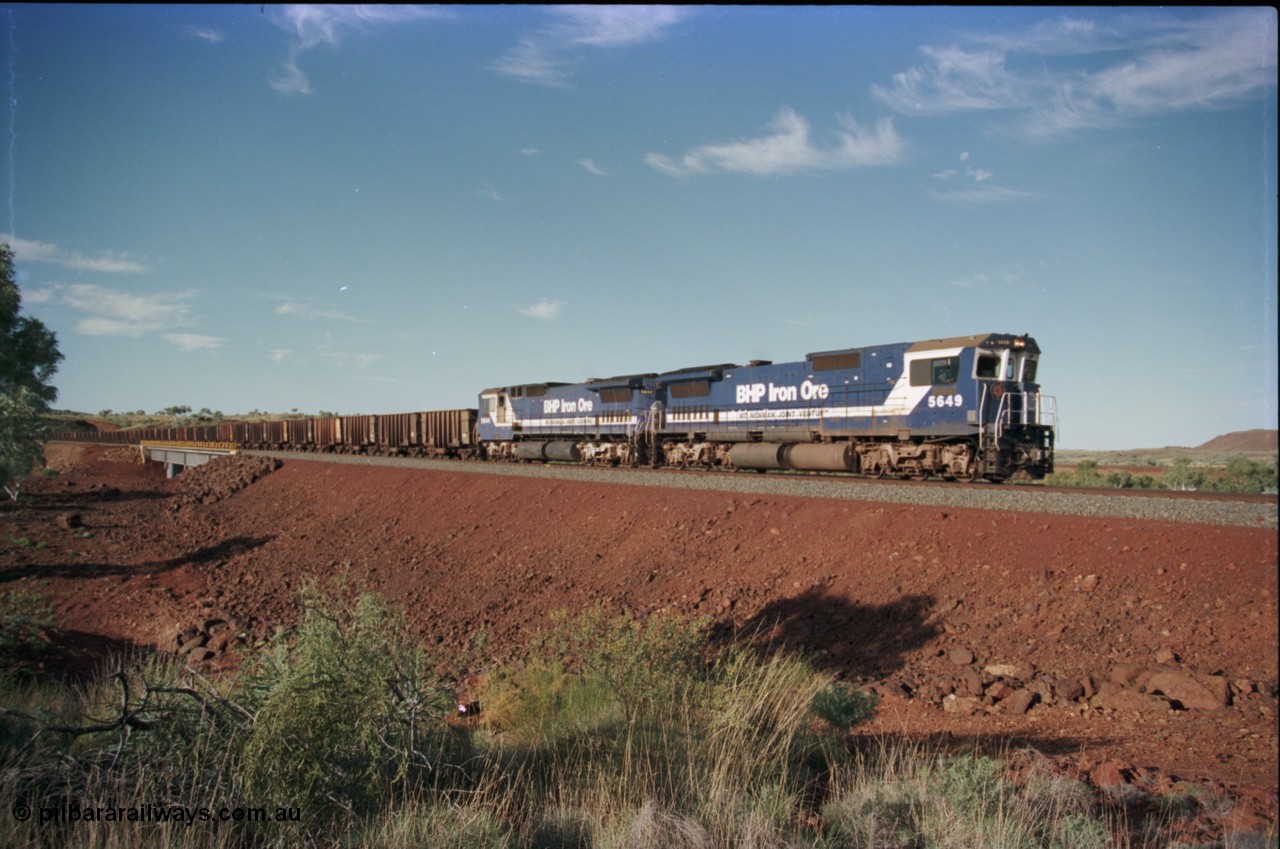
(539, 700)
(972, 784)
(842, 706)
(349, 715)
(647, 663)
(709, 748)
(1239, 474)
(25, 615)
(637, 723)
(1087, 473)
(875, 813)
(1182, 476)
(416, 823)
(135, 733)
(1244, 475)
(1080, 831)
(902, 797)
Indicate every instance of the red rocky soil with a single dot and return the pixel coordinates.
(1125, 651)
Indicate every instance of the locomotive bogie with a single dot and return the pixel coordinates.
(695, 454)
(497, 451)
(608, 454)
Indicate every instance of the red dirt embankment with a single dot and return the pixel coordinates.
(1127, 650)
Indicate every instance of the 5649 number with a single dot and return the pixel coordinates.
(956, 400)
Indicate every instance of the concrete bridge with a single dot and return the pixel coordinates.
(181, 455)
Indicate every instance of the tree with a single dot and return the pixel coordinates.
(29, 353)
(29, 356)
(1180, 475)
(1244, 475)
(20, 432)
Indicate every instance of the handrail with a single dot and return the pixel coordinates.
(1035, 410)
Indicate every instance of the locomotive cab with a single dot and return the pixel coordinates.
(1016, 422)
(1007, 365)
(495, 408)
(495, 423)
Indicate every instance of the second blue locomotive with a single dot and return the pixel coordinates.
(958, 408)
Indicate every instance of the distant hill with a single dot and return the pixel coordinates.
(1243, 442)
(1258, 444)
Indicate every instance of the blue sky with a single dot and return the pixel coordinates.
(365, 209)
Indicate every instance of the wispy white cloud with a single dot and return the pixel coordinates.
(312, 26)
(955, 80)
(548, 56)
(1061, 36)
(111, 312)
(487, 190)
(1070, 73)
(1221, 61)
(790, 148)
(983, 194)
(972, 185)
(279, 355)
(26, 250)
(534, 61)
(290, 79)
(304, 310)
(208, 34)
(546, 309)
(616, 26)
(345, 360)
(590, 166)
(977, 175)
(39, 296)
(195, 342)
(983, 280)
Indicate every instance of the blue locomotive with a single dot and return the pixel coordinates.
(960, 408)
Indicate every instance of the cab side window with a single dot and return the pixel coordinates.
(988, 366)
(944, 370)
